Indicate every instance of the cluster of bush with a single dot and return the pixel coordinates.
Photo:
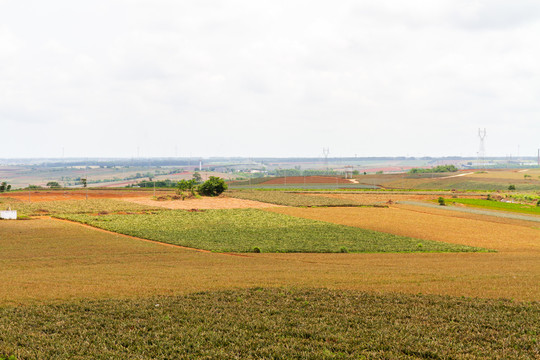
(214, 186)
(437, 169)
(157, 183)
(4, 186)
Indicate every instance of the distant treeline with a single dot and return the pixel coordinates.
(214, 161)
(298, 172)
(437, 169)
(157, 183)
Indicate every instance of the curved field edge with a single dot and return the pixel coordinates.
(249, 230)
(277, 323)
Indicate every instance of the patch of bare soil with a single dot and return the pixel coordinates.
(202, 203)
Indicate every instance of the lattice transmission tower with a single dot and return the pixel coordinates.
(482, 150)
(326, 152)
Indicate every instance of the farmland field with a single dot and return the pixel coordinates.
(274, 323)
(308, 180)
(73, 206)
(72, 291)
(369, 198)
(220, 202)
(77, 194)
(434, 224)
(291, 199)
(247, 229)
(48, 260)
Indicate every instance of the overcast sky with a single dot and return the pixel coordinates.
(268, 78)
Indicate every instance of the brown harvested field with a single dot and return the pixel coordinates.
(202, 203)
(308, 180)
(506, 174)
(370, 198)
(516, 265)
(59, 195)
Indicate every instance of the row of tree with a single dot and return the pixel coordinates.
(437, 169)
(214, 186)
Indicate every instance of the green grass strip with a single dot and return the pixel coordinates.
(497, 205)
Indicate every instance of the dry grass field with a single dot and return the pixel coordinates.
(381, 198)
(506, 174)
(61, 195)
(514, 268)
(308, 180)
(432, 224)
(489, 180)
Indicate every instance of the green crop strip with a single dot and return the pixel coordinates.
(497, 205)
(244, 230)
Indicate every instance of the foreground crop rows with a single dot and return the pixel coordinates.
(274, 323)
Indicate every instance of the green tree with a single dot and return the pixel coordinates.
(53, 184)
(213, 186)
(4, 186)
(197, 177)
(186, 185)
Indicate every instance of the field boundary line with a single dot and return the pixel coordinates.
(138, 238)
(493, 213)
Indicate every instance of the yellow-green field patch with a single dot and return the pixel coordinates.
(251, 230)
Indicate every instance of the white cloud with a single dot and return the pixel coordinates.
(275, 78)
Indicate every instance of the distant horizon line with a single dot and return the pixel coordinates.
(197, 158)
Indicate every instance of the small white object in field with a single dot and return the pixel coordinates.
(8, 215)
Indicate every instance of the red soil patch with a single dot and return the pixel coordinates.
(307, 180)
(59, 195)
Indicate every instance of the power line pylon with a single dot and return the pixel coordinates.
(482, 150)
(326, 152)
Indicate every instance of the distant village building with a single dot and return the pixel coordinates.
(348, 172)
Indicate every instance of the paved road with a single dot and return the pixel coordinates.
(496, 213)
